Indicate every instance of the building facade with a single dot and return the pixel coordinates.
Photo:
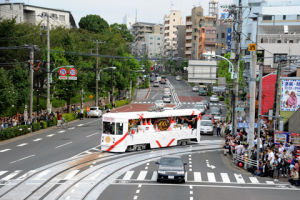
(154, 45)
(180, 41)
(36, 15)
(139, 31)
(223, 37)
(170, 28)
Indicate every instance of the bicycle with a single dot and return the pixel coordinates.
(64, 123)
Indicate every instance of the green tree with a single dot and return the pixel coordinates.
(93, 23)
(123, 31)
(8, 96)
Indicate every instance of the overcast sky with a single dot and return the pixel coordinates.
(113, 11)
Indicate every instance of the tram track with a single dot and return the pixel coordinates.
(45, 189)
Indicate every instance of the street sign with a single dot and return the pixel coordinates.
(63, 78)
(62, 71)
(252, 47)
(239, 109)
(73, 78)
(72, 71)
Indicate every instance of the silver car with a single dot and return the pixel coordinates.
(195, 89)
(214, 98)
(200, 107)
(166, 99)
(206, 127)
(159, 104)
(94, 112)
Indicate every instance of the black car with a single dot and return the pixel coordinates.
(171, 168)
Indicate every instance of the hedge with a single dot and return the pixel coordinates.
(69, 116)
(121, 103)
(14, 132)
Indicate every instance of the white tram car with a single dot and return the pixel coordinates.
(131, 131)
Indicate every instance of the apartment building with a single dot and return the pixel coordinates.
(170, 32)
(139, 31)
(207, 36)
(24, 13)
(223, 37)
(154, 44)
(180, 46)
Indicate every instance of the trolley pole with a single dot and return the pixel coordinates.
(97, 69)
(48, 63)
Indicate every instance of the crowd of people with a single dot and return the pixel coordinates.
(274, 160)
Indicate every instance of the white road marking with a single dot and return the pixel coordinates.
(2, 172)
(190, 162)
(96, 175)
(4, 150)
(63, 145)
(239, 178)
(135, 102)
(10, 176)
(191, 198)
(51, 135)
(185, 176)
(137, 191)
(211, 177)
(71, 174)
(190, 155)
(40, 175)
(21, 159)
(190, 170)
(253, 180)
(154, 176)
(197, 177)
(71, 128)
(61, 131)
(80, 124)
(225, 178)
(128, 175)
(20, 145)
(147, 164)
(146, 167)
(190, 165)
(135, 197)
(29, 173)
(68, 197)
(191, 192)
(92, 135)
(140, 185)
(191, 187)
(142, 175)
(270, 182)
(37, 139)
(190, 158)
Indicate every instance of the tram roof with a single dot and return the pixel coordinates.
(154, 114)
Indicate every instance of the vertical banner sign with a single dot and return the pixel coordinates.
(62, 72)
(228, 41)
(290, 95)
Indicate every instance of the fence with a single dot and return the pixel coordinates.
(247, 162)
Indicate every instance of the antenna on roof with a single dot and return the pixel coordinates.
(136, 15)
(171, 5)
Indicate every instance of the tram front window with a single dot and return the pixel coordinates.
(109, 128)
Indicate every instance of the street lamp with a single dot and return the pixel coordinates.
(231, 67)
(98, 79)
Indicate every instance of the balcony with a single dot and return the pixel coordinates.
(188, 52)
(189, 30)
(188, 44)
(189, 23)
(188, 37)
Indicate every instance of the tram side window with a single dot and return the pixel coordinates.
(109, 128)
(119, 129)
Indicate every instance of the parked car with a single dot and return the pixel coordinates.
(214, 98)
(206, 127)
(94, 112)
(167, 91)
(178, 78)
(166, 99)
(195, 89)
(171, 168)
(156, 84)
(159, 104)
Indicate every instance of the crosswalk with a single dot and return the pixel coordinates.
(172, 102)
(210, 177)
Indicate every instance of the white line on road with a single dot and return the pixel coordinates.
(154, 176)
(137, 191)
(80, 124)
(40, 175)
(128, 175)
(51, 135)
(10, 176)
(253, 180)
(142, 175)
(21, 159)
(211, 177)
(92, 135)
(197, 177)
(225, 178)
(26, 175)
(239, 178)
(71, 128)
(135, 197)
(20, 145)
(2, 172)
(37, 139)
(63, 145)
(270, 182)
(191, 192)
(140, 185)
(191, 198)
(4, 150)
(61, 131)
(71, 174)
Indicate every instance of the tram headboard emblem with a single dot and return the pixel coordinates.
(162, 124)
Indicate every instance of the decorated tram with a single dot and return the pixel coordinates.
(132, 131)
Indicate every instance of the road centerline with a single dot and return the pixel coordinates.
(21, 159)
(63, 145)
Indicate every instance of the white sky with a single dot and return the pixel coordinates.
(113, 11)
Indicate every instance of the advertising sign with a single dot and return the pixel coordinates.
(290, 95)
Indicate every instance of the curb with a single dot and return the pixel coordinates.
(147, 95)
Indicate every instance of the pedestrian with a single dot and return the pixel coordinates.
(81, 113)
(218, 128)
(294, 179)
(59, 119)
(276, 168)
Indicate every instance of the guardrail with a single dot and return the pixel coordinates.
(244, 159)
(174, 94)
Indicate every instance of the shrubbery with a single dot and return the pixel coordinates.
(69, 116)
(14, 132)
(121, 103)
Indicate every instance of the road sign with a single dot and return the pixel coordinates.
(72, 71)
(239, 109)
(62, 71)
(63, 78)
(252, 47)
(74, 78)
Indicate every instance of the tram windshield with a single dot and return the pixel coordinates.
(109, 128)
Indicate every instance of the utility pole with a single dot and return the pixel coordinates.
(252, 101)
(31, 55)
(48, 64)
(259, 110)
(276, 105)
(97, 69)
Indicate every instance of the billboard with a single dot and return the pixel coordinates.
(290, 95)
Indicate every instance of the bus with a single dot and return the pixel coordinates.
(134, 131)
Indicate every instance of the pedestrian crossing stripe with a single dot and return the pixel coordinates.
(196, 177)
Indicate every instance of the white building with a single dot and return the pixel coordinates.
(36, 15)
(154, 44)
(170, 32)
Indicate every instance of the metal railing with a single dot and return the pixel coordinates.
(247, 162)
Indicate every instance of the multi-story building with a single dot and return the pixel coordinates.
(154, 45)
(36, 15)
(223, 38)
(200, 34)
(170, 28)
(180, 41)
(139, 31)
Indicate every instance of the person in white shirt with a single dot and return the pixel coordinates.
(271, 156)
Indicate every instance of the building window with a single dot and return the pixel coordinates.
(298, 17)
(284, 17)
(291, 41)
(278, 41)
(267, 17)
(158, 43)
(195, 30)
(173, 20)
(260, 56)
(151, 38)
(158, 38)
(223, 35)
(62, 18)
(54, 16)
